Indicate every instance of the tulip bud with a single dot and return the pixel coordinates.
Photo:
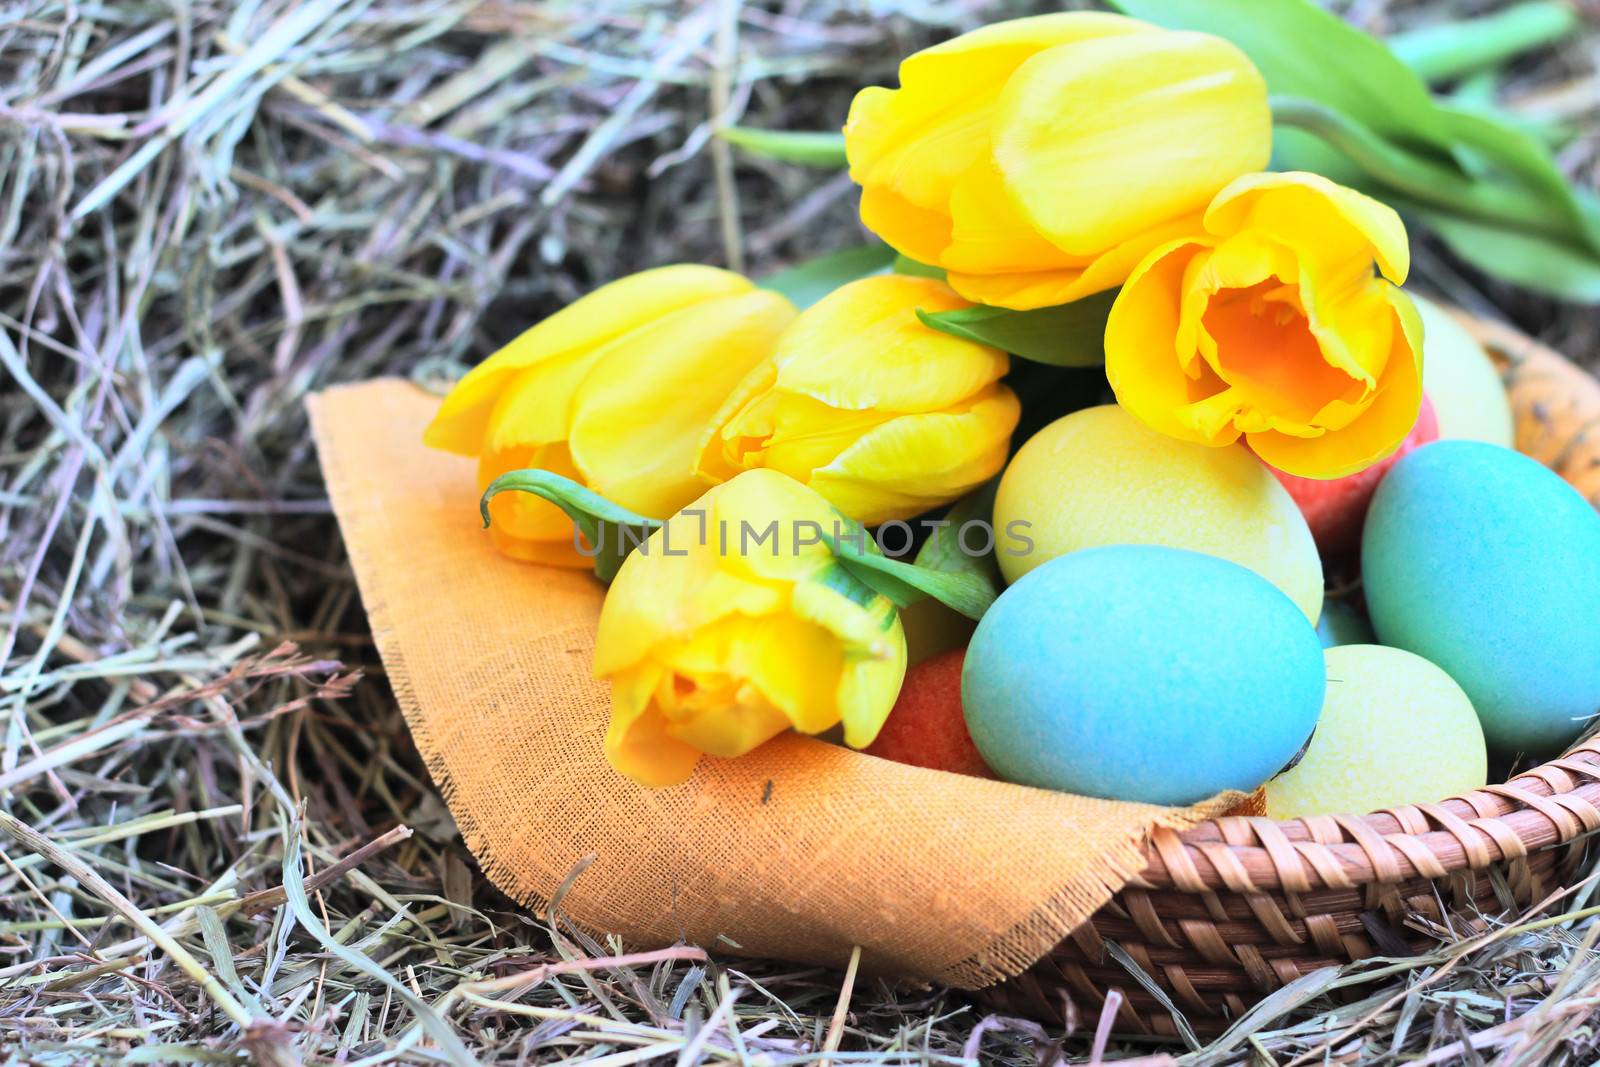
(1271, 323)
(884, 416)
(1038, 160)
(613, 391)
(734, 622)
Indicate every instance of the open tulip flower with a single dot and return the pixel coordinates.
(882, 415)
(1271, 323)
(613, 391)
(1038, 160)
(734, 622)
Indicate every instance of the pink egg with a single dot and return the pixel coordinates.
(927, 727)
(1336, 508)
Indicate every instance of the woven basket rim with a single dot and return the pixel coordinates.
(1547, 805)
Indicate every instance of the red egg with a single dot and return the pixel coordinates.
(1336, 508)
(926, 727)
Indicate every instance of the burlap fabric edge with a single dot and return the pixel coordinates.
(972, 887)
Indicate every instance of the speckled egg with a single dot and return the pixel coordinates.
(1139, 672)
(1488, 564)
(1458, 376)
(1101, 477)
(1395, 729)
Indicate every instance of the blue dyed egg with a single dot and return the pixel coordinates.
(1487, 563)
(1141, 672)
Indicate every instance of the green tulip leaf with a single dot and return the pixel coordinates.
(1291, 42)
(1449, 50)
(1369, 120)
(1491, 144)
(906, 583)
(967, 590)
(946, 550)
(1068, 335)
(811, 148)
(1543, 264)
(1390, 168)
(904, 264)
(806, 283)
(613, 530)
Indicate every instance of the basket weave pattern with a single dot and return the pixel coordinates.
(1238, 907)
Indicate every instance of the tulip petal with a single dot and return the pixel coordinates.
(1294, 207)
(594, 320)
(637, 743)
(528, 527)
(732, 729)
(715, 650)
(794, 664)
(714, 695)
(1377, 431)
(738, 425)
(561, 553)
(1266, 351)
(848, 609)
(1023, 291)
(669, 601)
(524, 515)
(804, 434)
(868, 688)
(688, 575)
(533, 407)
(989, 234)
(771, 529)
(918, 232)
(1135, 129)
(1353, 326)
(862, 347)
(640, 414)
(916, 141)
(1142, 360)
(913, 463)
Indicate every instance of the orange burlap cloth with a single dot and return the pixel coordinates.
(797, 851)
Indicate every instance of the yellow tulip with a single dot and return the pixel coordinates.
(613, 391)
(735, 622)
(1272, 323)
(882, 415)
(1038, 160)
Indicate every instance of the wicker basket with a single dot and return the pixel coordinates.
(1236, 908)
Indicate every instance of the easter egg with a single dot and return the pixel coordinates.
(1335, 508)
(926, 727)
(1394, 729)
(1101, 477)
(1462, 381)
(1487, 563)
(1140, 672)
(1343, 623)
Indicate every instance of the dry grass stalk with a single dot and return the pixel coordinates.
(209, 209)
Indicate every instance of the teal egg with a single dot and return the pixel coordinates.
(1342, 623)
(1142, 672)
(1487, 563)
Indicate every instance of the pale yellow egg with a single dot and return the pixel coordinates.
(1462, 381)
(1101, 477)
(1395, 729)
